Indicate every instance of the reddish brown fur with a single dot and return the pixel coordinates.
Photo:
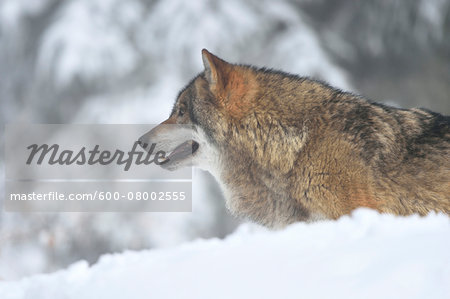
(234, 88)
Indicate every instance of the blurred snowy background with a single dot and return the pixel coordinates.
(112, 61)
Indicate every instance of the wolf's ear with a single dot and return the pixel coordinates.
(233, 87)
(215, 69)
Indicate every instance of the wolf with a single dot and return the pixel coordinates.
(286, 148)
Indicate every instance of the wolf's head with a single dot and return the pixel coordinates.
(244, 125)
(232, 112)
(200, 117)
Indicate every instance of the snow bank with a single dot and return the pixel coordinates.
(364, 256)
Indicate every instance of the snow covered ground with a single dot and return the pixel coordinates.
(113, 61)
(366, 255)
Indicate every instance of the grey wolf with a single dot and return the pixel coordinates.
(286, 148)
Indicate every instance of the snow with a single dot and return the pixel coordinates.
(12, 10)
(108, 39)
(97, 44)
(112, 61)
(367, 255)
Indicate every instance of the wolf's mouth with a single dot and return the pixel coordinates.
(181, 152)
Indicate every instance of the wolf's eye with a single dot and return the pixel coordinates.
(181, 111)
